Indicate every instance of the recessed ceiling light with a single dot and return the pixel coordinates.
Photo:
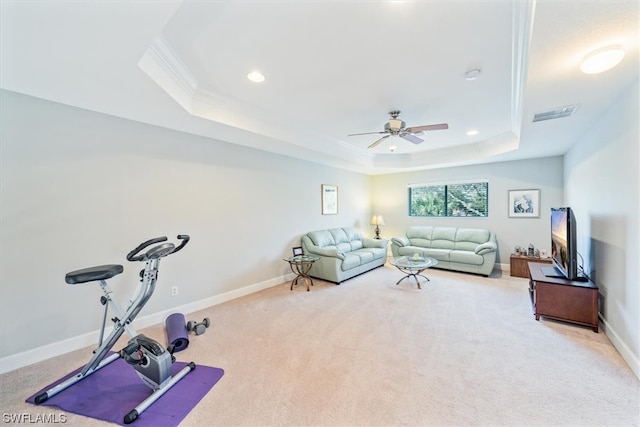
(602, 59)
(472, 74)
(392, 148)
(256, 76)
(472, 132)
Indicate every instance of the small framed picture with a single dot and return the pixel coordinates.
(524, 203)
(329, 199)
(297, 251)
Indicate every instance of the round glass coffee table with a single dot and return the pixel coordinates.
(300, 265)
(413, 267)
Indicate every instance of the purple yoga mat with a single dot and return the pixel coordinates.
(110, 393)
(177, 333)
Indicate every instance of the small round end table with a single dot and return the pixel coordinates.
(300, 266)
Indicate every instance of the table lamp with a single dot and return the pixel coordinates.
(377, 220)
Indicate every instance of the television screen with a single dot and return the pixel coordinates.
(563, 242)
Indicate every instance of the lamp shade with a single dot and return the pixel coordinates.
(377, 220)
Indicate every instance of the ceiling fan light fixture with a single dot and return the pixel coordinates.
(396, 124)
(256, 76)
(602, 59)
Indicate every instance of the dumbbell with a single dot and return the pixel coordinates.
(198, 328)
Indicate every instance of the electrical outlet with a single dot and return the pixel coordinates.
(174, 291)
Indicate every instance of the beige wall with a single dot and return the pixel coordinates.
(390, 198)
(603, 185)
(81, 189)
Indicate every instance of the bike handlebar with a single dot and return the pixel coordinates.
(133, 255)
(185, 239)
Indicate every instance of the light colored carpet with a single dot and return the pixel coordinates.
(464, 350)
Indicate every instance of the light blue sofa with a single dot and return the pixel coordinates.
(343, 253)
(470, 250)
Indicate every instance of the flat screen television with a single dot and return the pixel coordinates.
(564, 253)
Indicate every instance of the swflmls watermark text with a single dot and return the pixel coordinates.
(28, 418)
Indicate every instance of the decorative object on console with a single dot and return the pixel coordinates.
(530, 251)
(329, 199)
(377, 220)
(524, 203)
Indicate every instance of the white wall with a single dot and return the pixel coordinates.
(390, 198)
(603, 186)
(80, 189)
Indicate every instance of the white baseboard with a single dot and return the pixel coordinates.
(19, 360)
(624, 350)
(505, 268)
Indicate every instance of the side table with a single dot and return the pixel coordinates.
(519, 264)
(300, 266)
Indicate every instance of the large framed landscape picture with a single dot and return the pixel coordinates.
(524, 203)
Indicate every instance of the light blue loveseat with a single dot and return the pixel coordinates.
(343, 253)
(470, 250)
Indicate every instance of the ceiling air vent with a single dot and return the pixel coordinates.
(555, 114)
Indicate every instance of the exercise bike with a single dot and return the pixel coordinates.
(148, 357)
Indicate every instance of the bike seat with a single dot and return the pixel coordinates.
(101, 272)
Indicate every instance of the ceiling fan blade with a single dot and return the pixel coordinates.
(411, 138)
(439, 126)
(366, 133)
(378, 141)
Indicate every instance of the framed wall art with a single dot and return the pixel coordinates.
(329, 199)
(524, 203)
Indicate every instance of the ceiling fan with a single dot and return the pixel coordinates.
(395, 126)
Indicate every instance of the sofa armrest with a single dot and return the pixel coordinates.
(330, 252)
(400, 241)
(373, 243)
(486, 248)
(312, 249)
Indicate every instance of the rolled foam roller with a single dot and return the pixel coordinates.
(177, 334)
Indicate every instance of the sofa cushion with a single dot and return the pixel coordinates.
(321, 238)
(355, 245)
(443, 238)
(420, 236)
(439, 254)
(466, 257)
(377, 253)
(410, 250)
(339, 236)
(365, 256)
(343, 247)
(352, 234)
(467, 239)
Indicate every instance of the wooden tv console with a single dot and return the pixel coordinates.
(561, 299)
